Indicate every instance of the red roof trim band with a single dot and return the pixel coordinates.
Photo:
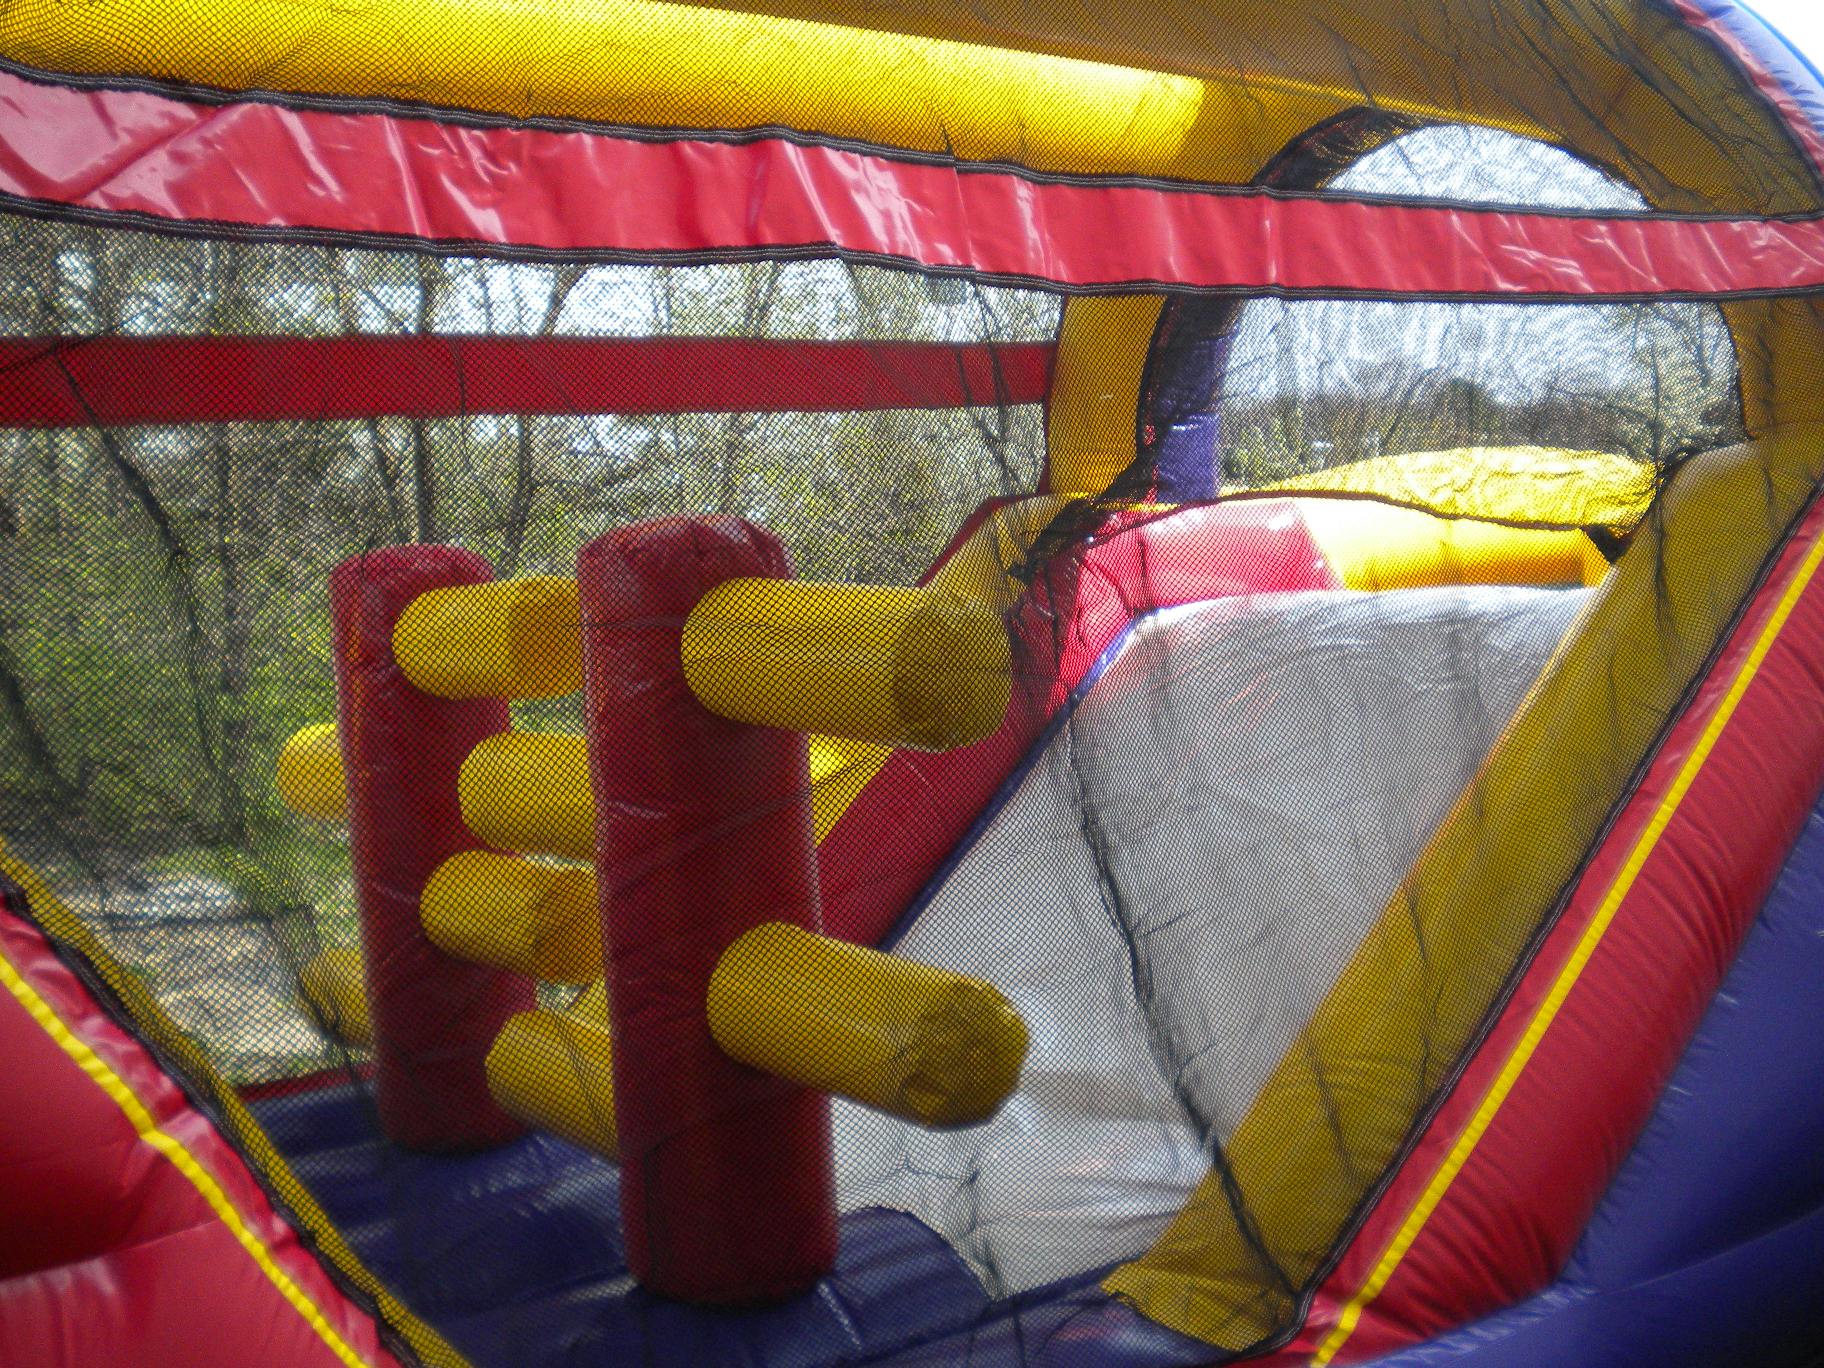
(1755, 67)
(261, 166)
(64, 382)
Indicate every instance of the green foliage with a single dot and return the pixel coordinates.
(163, 607)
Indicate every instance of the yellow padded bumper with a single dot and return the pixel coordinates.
(530, 791)
(517, 638)
(1374, 546)
(930, 1046)
(539, 920)
(909, 667)
(310, 779)
(554, 1070)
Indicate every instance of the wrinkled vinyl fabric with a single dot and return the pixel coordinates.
(1103, 317)
(1171, 901)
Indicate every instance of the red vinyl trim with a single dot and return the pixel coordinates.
(262, 166)
(1755, 67)
(122, 1246)
(74, 381)
(1510, 1219)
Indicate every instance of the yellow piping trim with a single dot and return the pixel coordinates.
(123, 1096)
(150, 1019)
(1567, 978)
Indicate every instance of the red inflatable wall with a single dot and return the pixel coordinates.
(703, 830)
(434, 1016)
(130, 1230)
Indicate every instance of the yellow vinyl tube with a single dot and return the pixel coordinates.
(529, 791)
(334, 984)
(310, 779)
(646, 62)
(1103, 342)
(927, 1045)
(517, 638)
(896, 667)
(591, 1004)
(554, 1071)
(541, 920)
(1375, 546)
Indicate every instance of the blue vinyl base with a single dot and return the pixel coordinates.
(1708, 1250)
(515, 1256)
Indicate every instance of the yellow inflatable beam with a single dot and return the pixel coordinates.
(1247, 77)
(334, 985)
(310, 774)
(1528, 485)
(554, 1070)
(529, 791)
(897, 667)
(645, 63)
(930, 1046)
(543, 920)
(518, 638)
(1103, 343)
(1381, 546)
(310, 782)
(535, 919)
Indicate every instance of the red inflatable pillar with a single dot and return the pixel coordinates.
(703, 831)
(434, 1016)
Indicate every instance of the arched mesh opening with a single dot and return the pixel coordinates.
(1245, 395)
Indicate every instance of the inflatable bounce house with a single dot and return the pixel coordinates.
(807, 682)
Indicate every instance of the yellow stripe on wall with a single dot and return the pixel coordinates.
(1573, 969)
(1091, 417)
(173, 1151)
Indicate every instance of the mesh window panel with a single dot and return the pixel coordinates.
(166, 626)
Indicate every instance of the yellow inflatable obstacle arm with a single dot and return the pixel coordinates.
(517, 638)
(334, 985)
(310, 774)
(530, 791)
(538, 920)
(897, 667)
(930, 1046)
(554, 1070)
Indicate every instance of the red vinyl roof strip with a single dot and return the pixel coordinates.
(387, 177)
(117, 381)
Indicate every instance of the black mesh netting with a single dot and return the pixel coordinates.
(1247, 796)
